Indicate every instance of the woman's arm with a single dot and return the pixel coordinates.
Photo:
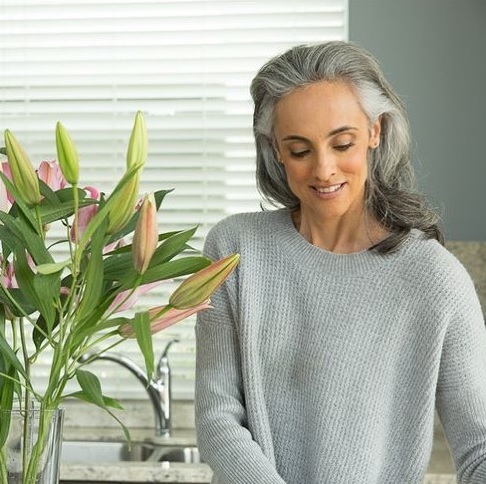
(224, 440)
(461, 391)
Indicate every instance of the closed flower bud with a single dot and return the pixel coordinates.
(162, 317)
(145, 237)
(198, 288)
(138, 144)
(123, 209)
(67, 155)
(23, 173)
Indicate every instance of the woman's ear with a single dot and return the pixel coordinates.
(375, 131)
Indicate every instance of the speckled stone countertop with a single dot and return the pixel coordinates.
(140, 472)
(153, 472)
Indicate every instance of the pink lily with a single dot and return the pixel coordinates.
(120, 298)
(85, 214)
(50, 173)
(6, 171)
(167, 318)
(8, 276)
(5, 203)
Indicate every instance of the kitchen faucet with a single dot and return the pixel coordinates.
(158, 388)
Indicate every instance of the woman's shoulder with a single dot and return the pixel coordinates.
(430, 259)
(243, 223)
(234, 230)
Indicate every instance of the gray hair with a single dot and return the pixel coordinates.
(391, 196)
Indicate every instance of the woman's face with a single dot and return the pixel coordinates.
(322, 138)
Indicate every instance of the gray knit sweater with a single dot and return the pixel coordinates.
(323, 368)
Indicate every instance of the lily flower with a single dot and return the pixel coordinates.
(67, 154)
(85, 214)
(121, 303)
(161, 318)
(8, 276)
(145, 238)
(5, 197)
(23, 173)
(50, 173)
(198, 288)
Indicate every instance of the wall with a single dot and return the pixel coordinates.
(433, 53)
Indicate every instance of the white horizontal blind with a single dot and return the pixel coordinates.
(187, 65)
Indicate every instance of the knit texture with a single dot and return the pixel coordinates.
(323, 368)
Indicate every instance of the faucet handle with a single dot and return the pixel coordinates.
(163, 360)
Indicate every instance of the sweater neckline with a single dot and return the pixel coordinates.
(297, 248)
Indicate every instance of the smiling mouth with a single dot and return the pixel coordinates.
(330, 189)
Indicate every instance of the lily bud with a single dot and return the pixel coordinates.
(124, 207)
(67, 155)
(145, 237)
(168, 316)
(23, 173)
(138, 144)
(199, 287)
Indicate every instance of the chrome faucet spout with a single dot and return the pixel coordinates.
(158, 388)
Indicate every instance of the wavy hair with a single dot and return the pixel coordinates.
(391, 194)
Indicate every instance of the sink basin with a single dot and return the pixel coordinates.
(74, 451)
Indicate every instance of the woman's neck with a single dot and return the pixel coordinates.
(344, 235)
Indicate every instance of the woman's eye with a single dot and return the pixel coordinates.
(343, 147)
(299, 154)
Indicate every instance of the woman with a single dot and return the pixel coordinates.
(347, 322)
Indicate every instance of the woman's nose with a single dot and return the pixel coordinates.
(324, 166)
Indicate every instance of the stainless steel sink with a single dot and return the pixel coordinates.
(74, 451)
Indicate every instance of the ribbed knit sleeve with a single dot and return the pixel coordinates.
(224, 439)
(461, 388)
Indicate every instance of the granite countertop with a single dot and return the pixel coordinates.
(150, 472)
(145, 472)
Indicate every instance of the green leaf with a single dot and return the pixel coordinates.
(27, 238)
(89, 324)
(42, 291)
(6, 401)
(91, 387)
(175, 268)
(141, 325)
(171, 247)
(21, 300)
(53, 267)
(48, 193)
(168, 270)
(91, 391)
(3, 150)
(93, 281)
(10, 357)
(61, 210)
(108, 401)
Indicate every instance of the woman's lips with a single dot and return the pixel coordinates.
(328, 191)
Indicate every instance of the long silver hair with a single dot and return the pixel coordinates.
(391, 194)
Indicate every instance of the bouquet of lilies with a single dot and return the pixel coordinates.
(72, 306)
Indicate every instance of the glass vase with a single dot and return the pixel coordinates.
(31, 453)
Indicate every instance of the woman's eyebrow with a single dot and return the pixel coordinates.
(341, 129)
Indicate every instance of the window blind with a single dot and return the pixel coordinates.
(187, 65)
